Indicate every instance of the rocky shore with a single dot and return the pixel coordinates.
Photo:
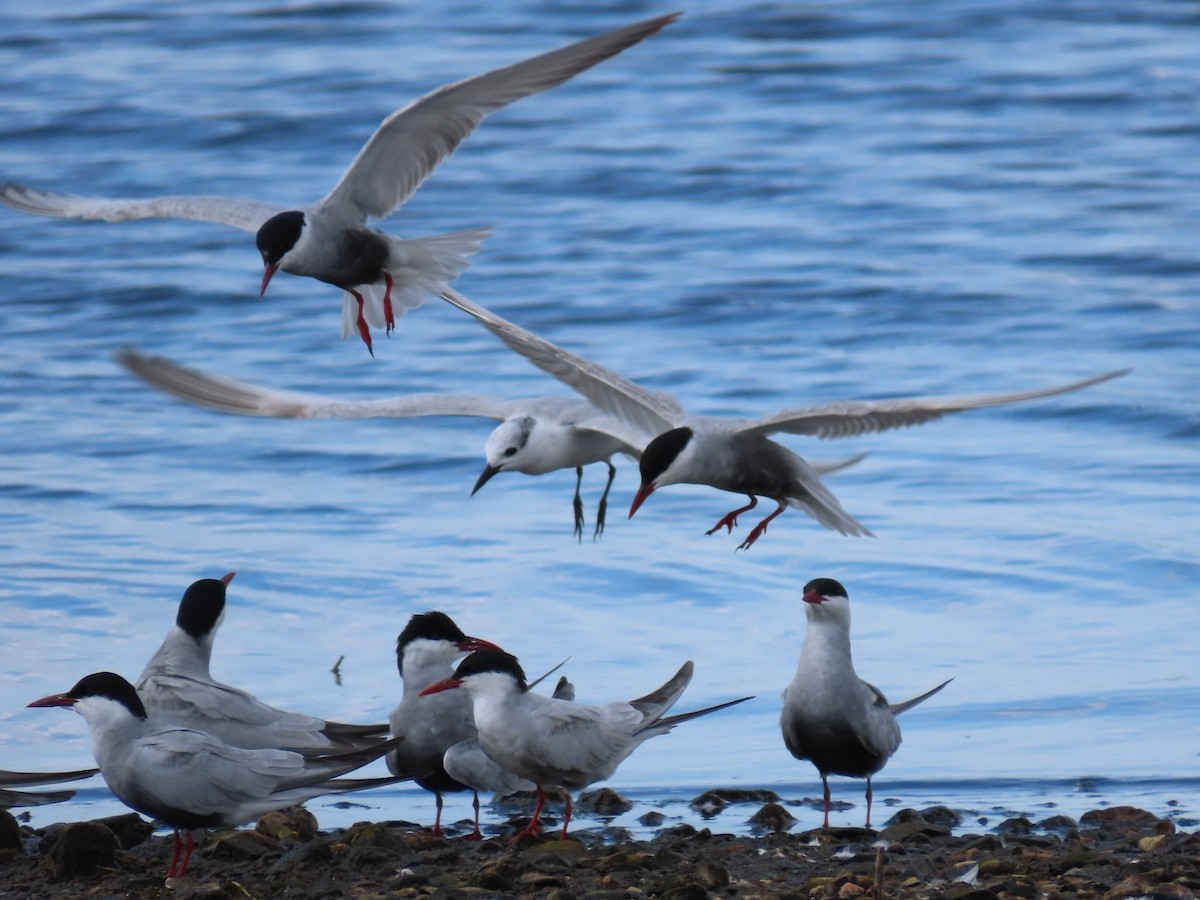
(1110, 853)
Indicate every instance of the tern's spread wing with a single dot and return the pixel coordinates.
(9, 799)
(247, 215)
(854, 417)
(243, 398)
(649, 411)
(412, 141)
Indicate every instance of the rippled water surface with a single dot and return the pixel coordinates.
(766, 205)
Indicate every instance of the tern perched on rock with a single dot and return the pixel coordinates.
(736, 455)
(557, 743)
(178, 689)
(330, 240)
(188, 779)
(831, 717)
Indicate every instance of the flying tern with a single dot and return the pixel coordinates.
(178, 689)
(10, 798)
(831, 717)
(554, 743)
(737, 455)
(535, 436)
(330, 240)
(188, 779)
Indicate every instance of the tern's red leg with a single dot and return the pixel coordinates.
(363, 331)
(388, 317)
(532, 827)
(437, 820)
(868, 801)
(567, 814)
(475, 835)
(825, 781)
(175, 855)
(761, 528)
(187, 855)
(730, 519)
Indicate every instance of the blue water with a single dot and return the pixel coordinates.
(766, 205)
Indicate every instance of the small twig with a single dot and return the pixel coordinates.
(879, 873)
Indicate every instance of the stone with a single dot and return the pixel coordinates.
(241, 845)
(774, 818)
(711, 875)
(10, 832)
(1121, 818)
(604, 802)
(293, 824)
(81, 848)
(130, 829)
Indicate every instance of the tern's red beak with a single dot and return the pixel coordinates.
(269, 269)
(445, 684)
(643, 492)
(471, 644)
(53, 700)
(813, 597)
(226, 578)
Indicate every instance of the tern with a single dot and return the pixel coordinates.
(178, 689)
(330, 240)
(426, 651)
(467, 763)
(535, 436)
(10, 798)
(188, 779)
(737, 455)
(559, 744)
(831, 717)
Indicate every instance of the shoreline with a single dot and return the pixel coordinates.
(1107, 854)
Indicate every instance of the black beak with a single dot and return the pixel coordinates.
(484, 477)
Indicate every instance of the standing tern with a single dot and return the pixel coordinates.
(535, 436)
(330, 240)
(831, 717)
(188, 779)
(557, 743)
(467, 763)
(10, 798)
(178, 689)
(425, 653)
(737, 455)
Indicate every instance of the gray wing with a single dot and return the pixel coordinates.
(854, 417)
(229, 395)
(26, 779)
(412, 141)
(657, 702)
(9, 799)
(880, 733)
(650, 412)
(248, 215)
(906, 705)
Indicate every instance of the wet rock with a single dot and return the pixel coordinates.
(941, 815)
(1119, 818)
(240, 845)
(711, 875)
(774, 818)
(604, 802)
(81, 848)
(1059, 823)
(294, 824)
(1019, 825)
(690, 891)
(652, 819)
(129, 829)
(10, 832)
(913, 832)
(712, 802)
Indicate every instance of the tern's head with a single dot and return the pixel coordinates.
(484, 669)
(664, 461)
(102, 697)
(202, 608)
(433, 637)
(507, 449)
(825, 600)
(275, 239)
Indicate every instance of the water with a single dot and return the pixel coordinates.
(764, 206)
